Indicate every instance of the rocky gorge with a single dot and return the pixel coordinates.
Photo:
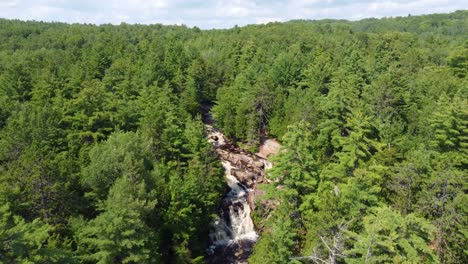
(233, 234)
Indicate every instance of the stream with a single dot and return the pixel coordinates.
(233, 234)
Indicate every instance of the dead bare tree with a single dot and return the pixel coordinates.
(334, 246)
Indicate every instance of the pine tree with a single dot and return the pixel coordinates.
(121, 153)
(277, 243)
(390, 237)
(441, 201)
(450, 126)
(119, 233)
(295, 166)
(28, 242)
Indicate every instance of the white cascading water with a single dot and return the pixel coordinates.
(234, 226)
(232, 233)
(241, 225)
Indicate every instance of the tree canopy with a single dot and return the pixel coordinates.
(104, 158)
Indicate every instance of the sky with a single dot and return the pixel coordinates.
(207, 14)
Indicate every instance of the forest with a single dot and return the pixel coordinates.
(104, 157)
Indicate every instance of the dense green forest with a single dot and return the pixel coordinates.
(104, 158)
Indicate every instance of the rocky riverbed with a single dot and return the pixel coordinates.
(233, 234)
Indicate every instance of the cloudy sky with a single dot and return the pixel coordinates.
(216, 13)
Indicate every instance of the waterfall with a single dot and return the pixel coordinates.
(240, 224)
(233, 234)
(237, 224)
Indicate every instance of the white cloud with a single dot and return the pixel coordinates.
(266, 20)
(216, 13)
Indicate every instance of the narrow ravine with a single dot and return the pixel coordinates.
(233, 234)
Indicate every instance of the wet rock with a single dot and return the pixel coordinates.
(245, 177)
(259, 164)
(233, 253)
(251, 200)
(233, 234)
(260, 178)
(226, 203)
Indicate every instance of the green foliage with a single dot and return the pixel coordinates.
(294, 165)
(276, 245)
(449, 125)
(28, 242)
(161, 121)
(458, 60)
(390, 237)
(119, 233)
(121, 154)
(103, 155)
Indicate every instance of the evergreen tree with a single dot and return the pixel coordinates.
(119, 234)
(29, 242)
(390, 237)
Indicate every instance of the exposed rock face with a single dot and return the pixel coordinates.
(269, 147)
(233, 235)
(248, 167)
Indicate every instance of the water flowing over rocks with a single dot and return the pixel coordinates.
(233, 234)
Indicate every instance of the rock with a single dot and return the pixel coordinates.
(243, 157)
(245, 177)
(248, 169)
(251, 200)
(237, 206)
(226, 203)
(241, 175)
(233, 160)
(239, 253)
(260, 178)
(269, 147)
(259, 164)
(280, 187)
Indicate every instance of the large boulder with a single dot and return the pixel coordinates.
(244, 177)
(259, 164)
